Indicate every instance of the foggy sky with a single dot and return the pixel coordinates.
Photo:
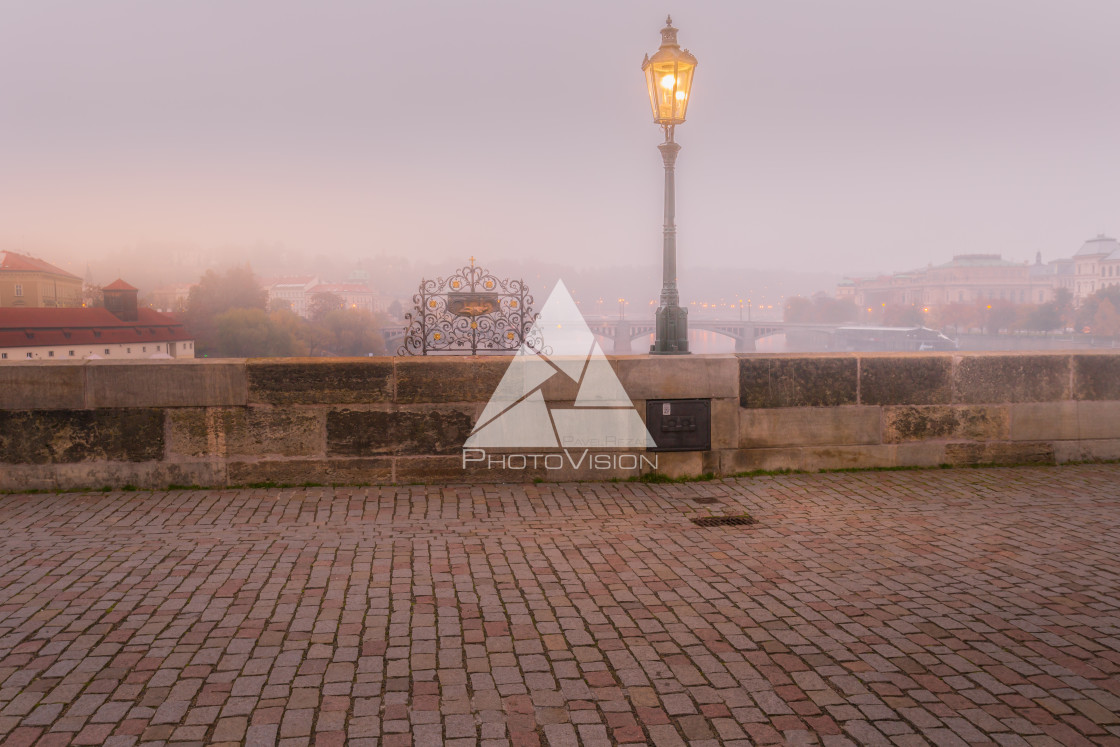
(833, 136)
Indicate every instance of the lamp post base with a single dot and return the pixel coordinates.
(671, 336)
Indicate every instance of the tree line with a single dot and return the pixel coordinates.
(229, 316)
(1099, 314)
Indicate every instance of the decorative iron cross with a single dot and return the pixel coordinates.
(472, 261)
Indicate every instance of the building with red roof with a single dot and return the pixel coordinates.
(28, 282)
(120, 330)
(120, 299)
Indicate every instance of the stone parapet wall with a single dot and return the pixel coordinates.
(380, 420)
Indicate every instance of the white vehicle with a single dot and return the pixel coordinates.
(873, 339)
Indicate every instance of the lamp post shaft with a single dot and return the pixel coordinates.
(669, 295)
(671, 335)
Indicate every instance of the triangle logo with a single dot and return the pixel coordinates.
(560, 344)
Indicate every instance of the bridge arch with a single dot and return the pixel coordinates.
(623, 332)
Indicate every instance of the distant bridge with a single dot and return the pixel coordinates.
(623, 332)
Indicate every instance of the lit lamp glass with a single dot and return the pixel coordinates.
(669, 78)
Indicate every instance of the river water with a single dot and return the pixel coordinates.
(701, 342)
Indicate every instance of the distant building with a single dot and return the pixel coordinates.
(973, 278)
(1057, 274)
(292, 292)
(968, 278)
(120, 300)
(296, 293)
(1096, 265)
(32, 283)
(120, 330)
(354, 295)
(171, 298)
(358, 275)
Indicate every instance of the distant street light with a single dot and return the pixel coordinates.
(669, 80)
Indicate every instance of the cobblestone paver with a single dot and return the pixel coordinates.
(882, 608)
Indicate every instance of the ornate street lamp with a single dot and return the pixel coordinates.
(669, 79)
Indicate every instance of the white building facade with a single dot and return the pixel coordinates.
(976, 278)
(1096, 266)
(75, 334)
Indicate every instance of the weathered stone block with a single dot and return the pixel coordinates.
(320, 381)
(99, 475)
(981, 379)
(918, 454)
(1096, 376)
(807, 458)
(28, 477)
(1020, 452)
(562, 388)
(447, 379)
(677, 377)
(285, 431)
(321, 471)
(1041, 421)
(428, 431)
(902, 379)
(725, 422)
(739, 461)
(1098, 420)
(813, 459)
(846, 457)
(53, 436)
(983, 423)
(711, 462)
(42, 386)
(679, 464)
(918, 423)
(931, 422)
(818, 381)
(809, 426)
(1103, 450)
(185, 383)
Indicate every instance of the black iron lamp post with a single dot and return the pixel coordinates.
(669, 79)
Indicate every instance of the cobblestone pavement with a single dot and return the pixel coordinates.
(940, 607)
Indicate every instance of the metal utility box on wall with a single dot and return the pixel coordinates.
(680, 424)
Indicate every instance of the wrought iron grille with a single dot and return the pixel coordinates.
(470, 312)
